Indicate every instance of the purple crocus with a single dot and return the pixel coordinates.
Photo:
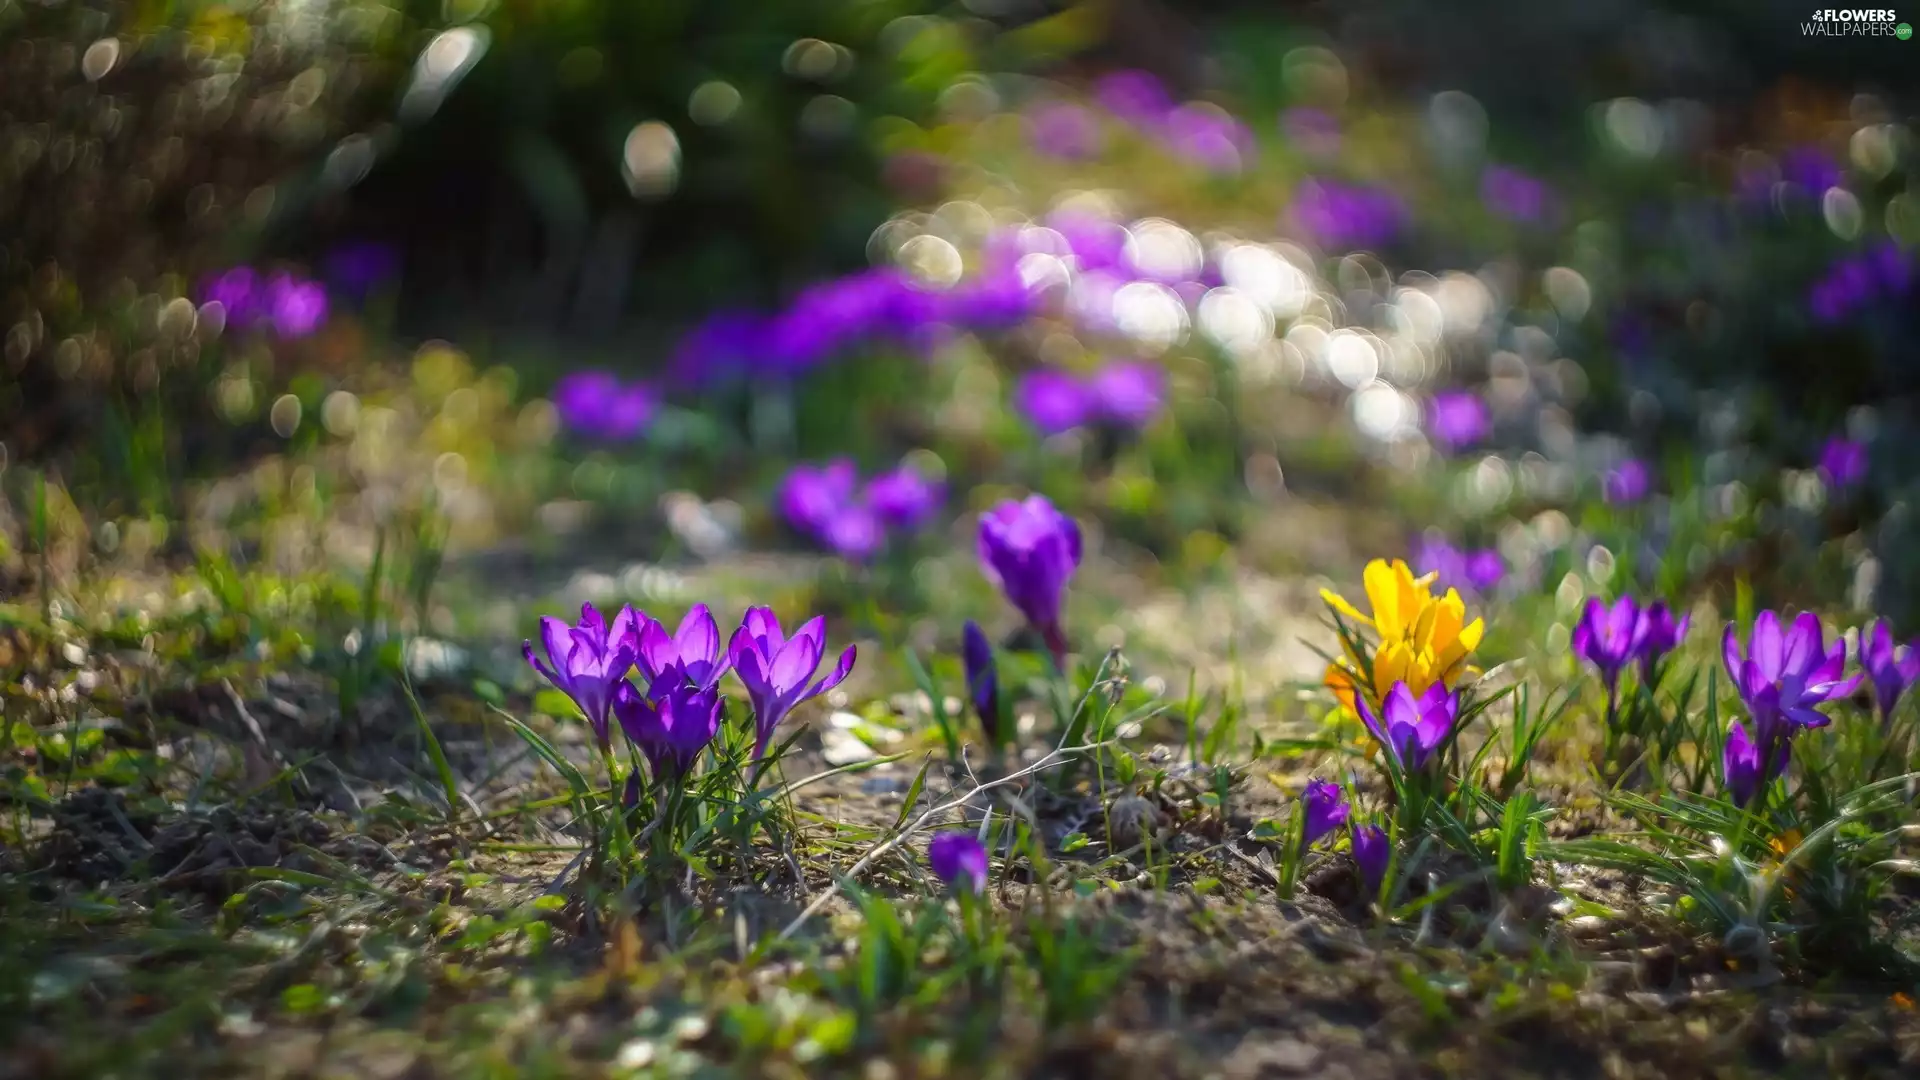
(1208, 136)
(1657, 634)
(691, 657)
(1054, 401)
(983, 679)
(1064, 130)
(903, 498)
(596, 404)
(589, 661)
(1371, 852)
(1627, 482)
(1485, 569)
(1811, 169)
(812, 495)
(1784, 675)
(670, 728)
(853, 532)
(1458, 419)
(296, 307)
(1411, 728)
(1607, 638)
(1030, 550)
(1325, 810)
(959, 860)
(1128, 394)
(1480, 570)
(1843, 461)
(776, 668)
(1891, 668)
(1742, 768)
(1346, 215)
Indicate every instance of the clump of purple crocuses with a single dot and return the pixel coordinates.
(1458, 420)
(1478, 570)
(677, 713)
(829, 504)
(1627, 482)
(1884, 273)
(1843, 461)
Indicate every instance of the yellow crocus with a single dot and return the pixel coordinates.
(1423, 638)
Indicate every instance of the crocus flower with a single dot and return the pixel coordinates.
(670, 728)
(1424, 640)
(1743, 770)
(1485, 569)
(983, 679)
(1627, 482)
(295, 307)
(1480, 570)
(1458, 419)
(1657, 635)
(1346, 215)
(691, 657)
(1371, 852)
(596, 404)
(1054, 401)
(1811, 169)
(1843, 461)
(1208, 136)
(775, 668)
(1783, 676)
(811, 495)
(1064, 130)
(589, 661)
(1892, 668)
(1411, 728)
(1030, 550)
(1128, 394)
(1325, 810)
(959, 860)
(904, 498)
(1607, 638)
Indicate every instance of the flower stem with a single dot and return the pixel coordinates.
(622, 840)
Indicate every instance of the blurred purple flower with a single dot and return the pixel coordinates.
(1097, 243)
(589, 660)
(357, 268)
(1137, 97)
(1411, 728)
(776, 669)
(238, 291)
(1458, 419)
(1029, 549)
(1480, 570)
(1325, 810)
(725, 345)
(1485, 569)
(1209, 136)
(296, 307)
(853, 532)
(1884, 272)
(690, 657)
(983, 680)
(1063, 129)
(1627, 482)
(1314, 131)
(670, 728)
(1054, 401)
(1346, 215)
(1128, 393)
(1811, 169)
(1843, 461)
(1891, 668)
(1515, 195)
(903, 498)
(1372, 851)
(959, 860)
(598, 405)
(812, 495)
(990, 300)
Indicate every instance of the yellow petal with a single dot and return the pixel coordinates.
(1392, 664)
(1467, 640)
(1341, 682)
(1347, 611)
(1387, 592)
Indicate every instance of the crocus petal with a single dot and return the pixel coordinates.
(763, 627)
(526, 649)
(837, 676)
(1768, 650)
(1805, 644)
(796, 663)
(1731, 656)
(657, 651)
(751, 668)
(698, 637)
